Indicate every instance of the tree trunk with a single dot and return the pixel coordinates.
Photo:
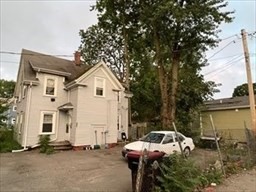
(175, 71)
(163, 81)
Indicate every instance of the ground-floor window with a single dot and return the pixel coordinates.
(48, 119)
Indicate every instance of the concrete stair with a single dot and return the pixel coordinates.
(61, 145)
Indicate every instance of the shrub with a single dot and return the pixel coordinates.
(182, 175)
(7, 143)
(44, 141)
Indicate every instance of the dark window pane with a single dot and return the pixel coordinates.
(99, 91)
(47, 127)
(67, 128)
(50, 86)
(50, 90)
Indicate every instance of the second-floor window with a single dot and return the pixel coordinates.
(50, 86)
(99, 87)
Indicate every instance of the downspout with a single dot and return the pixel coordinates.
(26, 120)
(57, 127)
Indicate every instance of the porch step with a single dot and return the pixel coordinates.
(61, 145)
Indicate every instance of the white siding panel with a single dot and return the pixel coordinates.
(93, 111)
(73, 100)
(39, 103)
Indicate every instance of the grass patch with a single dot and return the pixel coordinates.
(7, 143)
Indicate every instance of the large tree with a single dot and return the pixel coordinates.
(173, 34)
(181, 31)
(99, 44)
(242, 90)
(6, 93)
(6, 88)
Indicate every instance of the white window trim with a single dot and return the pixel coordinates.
(55, 86)
(14, 108)
(53, 123)
(104, 86)
(24, 89)
(20, 93)
(13, 121)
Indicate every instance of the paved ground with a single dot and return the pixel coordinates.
(99, 170)
(242, 182)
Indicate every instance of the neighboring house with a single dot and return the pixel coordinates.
(10, 113)
(230, 116)
(85, 105)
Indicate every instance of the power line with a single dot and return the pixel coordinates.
(225, 64)
(229, 37)
(233, 41)
(225, 57)
(8, 62)
(226, 67)
(32, 54)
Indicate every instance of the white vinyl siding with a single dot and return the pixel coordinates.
(50, 86)
(20, 122)
(99, 90)
(48, 121)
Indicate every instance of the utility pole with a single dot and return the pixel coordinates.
(249, 80)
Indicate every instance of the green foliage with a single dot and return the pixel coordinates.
(3, 114)
(99, 44)
(6, 92)
(44, 141)
(242, 90)
(211, 175)
(237, 157)
(146, 100)
(182, 175)
(6, 88)
(166, 42)
(7, 142)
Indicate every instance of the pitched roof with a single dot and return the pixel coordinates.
(228, 103)
(35, 62)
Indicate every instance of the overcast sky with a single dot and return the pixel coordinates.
(52, 27)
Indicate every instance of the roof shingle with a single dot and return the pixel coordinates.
(34, 60)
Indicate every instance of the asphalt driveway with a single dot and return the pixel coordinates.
(98, 170)
(95, 170)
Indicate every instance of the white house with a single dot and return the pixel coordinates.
(70, 101)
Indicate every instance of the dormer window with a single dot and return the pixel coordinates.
(50, 86)
(99, 87)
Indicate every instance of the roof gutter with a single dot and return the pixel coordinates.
(226, 108)
(44, 70)
(74, 84)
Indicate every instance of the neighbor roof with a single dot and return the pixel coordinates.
(37, 62)
(227, 103)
